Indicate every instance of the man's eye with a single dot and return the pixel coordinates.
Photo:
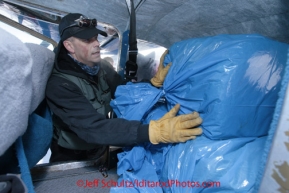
(94, 38)
(86, 41)
(90, 40)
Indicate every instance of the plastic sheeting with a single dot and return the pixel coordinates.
(225, 78)
(200, 165)
(233, 82)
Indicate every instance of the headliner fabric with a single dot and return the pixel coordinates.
(165, 22)
(24, 72)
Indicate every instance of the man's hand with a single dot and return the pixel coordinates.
(162, 72)
(174, 129)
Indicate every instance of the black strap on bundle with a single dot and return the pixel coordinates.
(131, 65)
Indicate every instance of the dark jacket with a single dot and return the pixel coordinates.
(67, 103)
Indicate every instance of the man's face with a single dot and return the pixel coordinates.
(85, 51)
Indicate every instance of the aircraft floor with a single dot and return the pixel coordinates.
(87, 179)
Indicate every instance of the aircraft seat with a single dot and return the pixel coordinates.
(26, 128)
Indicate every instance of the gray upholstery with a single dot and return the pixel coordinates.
(25, 69)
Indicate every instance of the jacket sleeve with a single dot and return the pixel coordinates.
(67, 102)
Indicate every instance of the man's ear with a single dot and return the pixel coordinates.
(69, 46)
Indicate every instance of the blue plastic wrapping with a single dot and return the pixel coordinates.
(233, 82)
(130, 97)
(214, 165)
(201, 165)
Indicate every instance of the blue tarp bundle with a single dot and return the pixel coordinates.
(233, 82)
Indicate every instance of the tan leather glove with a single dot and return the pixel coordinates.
(173, 129)
(162, 72)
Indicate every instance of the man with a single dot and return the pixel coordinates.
(79, 93)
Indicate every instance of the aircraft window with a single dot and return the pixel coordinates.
(25, 37)
(27, 27)
(110, 45)
(148, 59)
